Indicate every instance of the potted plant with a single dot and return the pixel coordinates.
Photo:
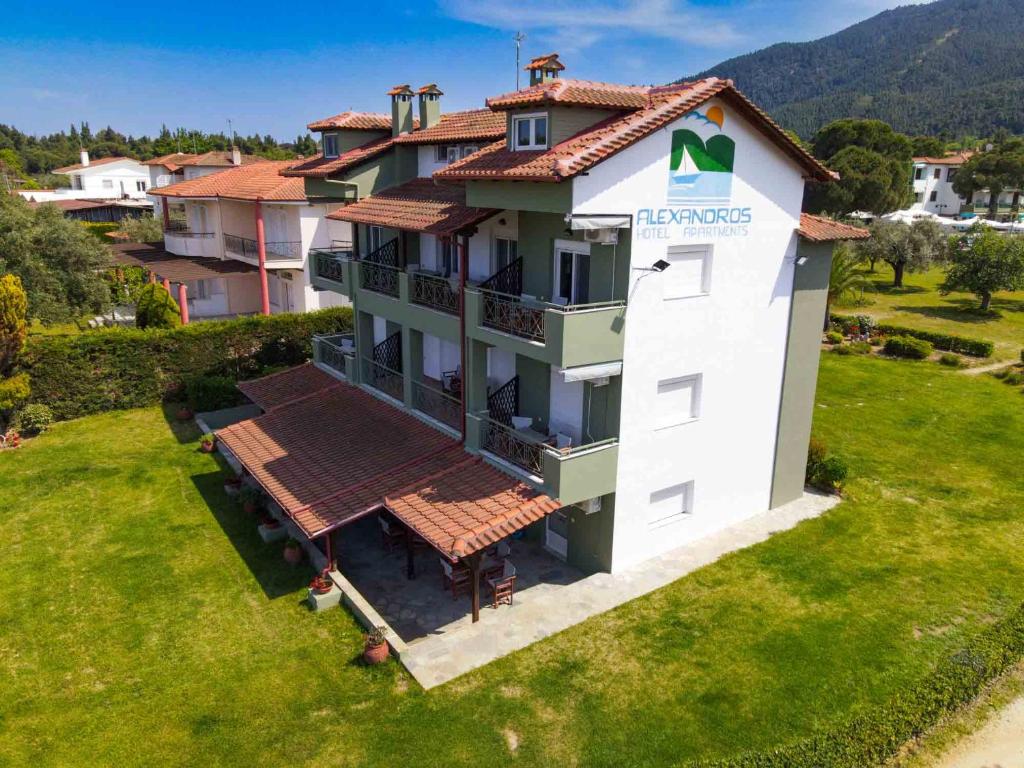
(321, 583)
(184, 413)
(293, 552)
(270, 522)
(208, 442)
(232, 485)
(251, 499)
(376, 649)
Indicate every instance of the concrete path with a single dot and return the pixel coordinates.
(986, 368)
(999, 744)
(434, 661)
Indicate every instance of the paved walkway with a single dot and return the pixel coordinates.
(999, 744)
(436, 660)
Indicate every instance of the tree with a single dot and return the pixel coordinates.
(868, 181)
(156, 308)
(983, 262)
(874, 135)
(905, 247)
(13, 328)
(928, 146)
(999, 169)
(846, 280)
(142, 229)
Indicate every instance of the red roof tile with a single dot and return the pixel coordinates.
(171, 162)
(419, 205)
(257, 181)
(818, 229)
(472, 125)
(547, 61)
(219, 159)
(400, 90)
(955, 159)
(319, 166)
(92, 164)
(284, 386)
(355, 121)
(567, 92)
(613, 134)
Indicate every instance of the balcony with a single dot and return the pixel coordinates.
(278, 253)
(563, 336)
(379, 278)
(435, 292)
(182, 241)
(439, 405)
(332, 269)
(384, 379)
(336, 352)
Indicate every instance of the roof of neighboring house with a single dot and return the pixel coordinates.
(256, 181)
(177, 268)
(958, 158)
(319, 166)
(590, 146)
(74, 205)
(471, 125)
(568, 92)
(171, 162)
(92, 164)
(355, 121)
(419, 205)
(218, 159)
(818, 229)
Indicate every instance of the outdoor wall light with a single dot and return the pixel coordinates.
(801, 261)
(660, 265)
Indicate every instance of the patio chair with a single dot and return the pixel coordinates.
(455, 577)
(392, 533)
(503, 585)
(451, 382)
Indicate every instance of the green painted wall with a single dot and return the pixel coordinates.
(803, 348)
(520, 195)
(564, 122)
(534, 390)
(590, 537)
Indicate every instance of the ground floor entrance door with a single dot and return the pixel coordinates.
(556, 533)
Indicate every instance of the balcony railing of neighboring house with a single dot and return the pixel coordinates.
(330, 265)
(180, 228)
(435, 292)
(164, 180)
(334, 350)
(437, 404)
(276, 250)
(507, 443)
(378, 270)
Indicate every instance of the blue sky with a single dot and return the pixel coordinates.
(273, 67)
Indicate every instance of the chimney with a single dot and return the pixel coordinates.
(430, 105)
(83, 157)
(236, 155)
(401, 109)
(544, 69)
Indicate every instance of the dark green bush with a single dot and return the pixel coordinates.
(211, 393)
(908, 347)
(1015, 378)
(33, 419)
(953, 361)
(824, 472)
(156, 308)
(942, 341)
(114, 368)
(860, 347)
(841, 350)
(834, 337)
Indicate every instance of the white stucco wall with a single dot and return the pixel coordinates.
(734, 337)
(481, 245)
(947, 202)
(122, 178)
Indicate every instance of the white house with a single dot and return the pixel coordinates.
(933, 189)
(109, 178)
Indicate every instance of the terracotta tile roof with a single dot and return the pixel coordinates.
(177, 268)
(257, 181)
(284, 386)
(608, 137)
(567, 92)
(319, 166)
(73, 205)
(400, 90)
(468, 506)
(818, 229)
(219, 158)
(419, 205)
(92, 164)
(547, 61)
(472, 125)
(171, 162)
(430, 88)
(955, 159)
(355, 121)
(338, 453)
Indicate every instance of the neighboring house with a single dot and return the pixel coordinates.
(933, 189)
(617, 305)
(109, 178)
(94, 210)
(251, 214)
(182, 166)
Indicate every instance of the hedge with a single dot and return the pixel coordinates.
(878, 735)
(908, 347)
(941, 341)
(114, 368)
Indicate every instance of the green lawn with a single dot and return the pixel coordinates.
(143, 622)
(919, 305)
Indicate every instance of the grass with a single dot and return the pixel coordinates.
(919, 305)
(142, 621)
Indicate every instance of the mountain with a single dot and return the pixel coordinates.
(951, 68)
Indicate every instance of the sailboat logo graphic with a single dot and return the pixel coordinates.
(700, 172)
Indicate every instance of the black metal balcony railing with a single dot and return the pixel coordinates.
(510, 314)
(333, 350)
(380, 377)
(435, 292)
(330, 265)
(179, 228)
(275, 250)
(504, 441)
(379, 278)
(437, 404)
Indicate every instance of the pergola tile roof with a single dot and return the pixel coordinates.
(590, 146)
(354, 121)
(818, 229)
(419, 205)
(177, 268)
(471, 125)
(256, 181)
(283, 387)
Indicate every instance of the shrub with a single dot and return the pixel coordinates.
(34, 419)
(908, 347)
(860, 347)
(834, 337)
(211, 393)
(953, 361)
(942, 341)
(866, 324)
(156, 308)
(13, 326)
(824, 471)
(1015, 378)
(112, 368)
(14, 390)
(842, 350)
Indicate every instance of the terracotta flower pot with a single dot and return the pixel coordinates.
(184, 414)
(293, 555)
(249, 507)
(321, 585)
(376, 654)
(206, 446)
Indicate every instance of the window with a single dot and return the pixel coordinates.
(678, 401)
(690, 273)
(919, 197)
(441, 153)
(108, 183)
(933, 196)
(468, 150)
(919, 173)
(530, 132)
(937, 174)
(330, 145)
(447, 260)
(572, 272)
(951, 174)
(76, 182)
(506, 251)
(140, 186)
(670, 505)
(374, 238)
(452, 155)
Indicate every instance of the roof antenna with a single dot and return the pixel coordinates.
(518, 37)
(231, 132)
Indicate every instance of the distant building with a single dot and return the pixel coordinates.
(109, 178)
(95, 210)
(184, 166)
(933, 189)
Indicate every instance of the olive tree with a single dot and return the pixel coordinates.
(983, 262)
(905, 247)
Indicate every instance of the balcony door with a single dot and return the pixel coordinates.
(572, 273)
(277, 228)
(200, 221)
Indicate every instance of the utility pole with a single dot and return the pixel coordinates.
(518, 37)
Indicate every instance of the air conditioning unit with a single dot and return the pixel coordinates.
(601, 236)
(590, 506)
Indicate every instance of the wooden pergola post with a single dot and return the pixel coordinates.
(474, 572)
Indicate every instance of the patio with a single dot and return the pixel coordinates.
(422, 608)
